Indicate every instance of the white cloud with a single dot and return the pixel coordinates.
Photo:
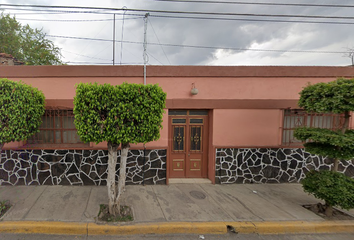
(212, 33)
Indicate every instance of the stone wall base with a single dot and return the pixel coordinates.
(78, 167)
(270, 165)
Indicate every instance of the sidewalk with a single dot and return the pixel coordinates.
(246, 207)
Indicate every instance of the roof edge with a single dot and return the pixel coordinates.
(175, 71)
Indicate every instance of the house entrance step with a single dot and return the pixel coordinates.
(189, 180)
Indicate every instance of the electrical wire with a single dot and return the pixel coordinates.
(73, 20)
(205, 47)
(121, 43)
(262, 3)
(159, 42)
(81, 55)
(183, 12)
(254, 20)
(154, 58)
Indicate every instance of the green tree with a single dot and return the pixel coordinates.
(122, 114)
(334, 97)
(21, 110)
(26, 44)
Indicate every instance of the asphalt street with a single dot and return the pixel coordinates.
(229, 236)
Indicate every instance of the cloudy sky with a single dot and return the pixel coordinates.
(223, 33)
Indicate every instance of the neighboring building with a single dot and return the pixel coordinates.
(237, 129)
(9, 60)
(6, 59)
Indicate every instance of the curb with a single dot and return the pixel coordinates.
(280, 227)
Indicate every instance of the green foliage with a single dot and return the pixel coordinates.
(27, 44)
(326, 142)
(323, 149)
(334, 188)
(127, 113)
(335, 97)
(21, 110)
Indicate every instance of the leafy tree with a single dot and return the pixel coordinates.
(333, 187)
(334, 97)
(123, 114)
(27, 44)
(21, 110)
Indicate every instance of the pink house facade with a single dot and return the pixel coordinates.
(236, 129)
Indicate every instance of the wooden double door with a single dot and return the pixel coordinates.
(188, 139)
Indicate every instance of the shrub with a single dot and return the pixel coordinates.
(335, 188)
(21, 110)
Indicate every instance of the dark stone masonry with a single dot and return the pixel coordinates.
(78, 167)
(270, 165)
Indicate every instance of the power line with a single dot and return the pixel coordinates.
(184, 12)
(205, 47)
(242, 19)
(262, 3)
(253, 20)
(85, 55)
(159, 42)
(104, 63)
(122, 35)
(227, 19)
(155, 58)
(73, 20)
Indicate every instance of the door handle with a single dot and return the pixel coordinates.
(189, 154)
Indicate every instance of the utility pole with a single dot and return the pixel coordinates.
(114, 37)
(145, 45)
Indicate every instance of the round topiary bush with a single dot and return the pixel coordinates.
(21, 110)
(335, 188)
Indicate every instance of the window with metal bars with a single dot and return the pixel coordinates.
(294, 118)
(57, 128)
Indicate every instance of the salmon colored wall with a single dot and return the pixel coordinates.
(249, 93)
(12, 145)
(55, 88)
(246, 128)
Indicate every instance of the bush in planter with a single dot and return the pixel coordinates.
(335, 188)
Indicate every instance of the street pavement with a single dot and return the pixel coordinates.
(229, 236)
(163, 204)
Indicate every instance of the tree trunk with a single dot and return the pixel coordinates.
(111, 178)
(329, 210)
(122, 172)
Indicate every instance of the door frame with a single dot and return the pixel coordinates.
(207, 142)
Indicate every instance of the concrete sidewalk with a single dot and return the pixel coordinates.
(175, 204)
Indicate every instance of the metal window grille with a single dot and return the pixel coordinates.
(57, 128)
(294, 118)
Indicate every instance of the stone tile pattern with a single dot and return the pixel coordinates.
(78, 167)
(270, 165)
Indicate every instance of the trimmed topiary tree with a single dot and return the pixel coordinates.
(333, 97)
(21, 111)
(333, 187)
(122, 114)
